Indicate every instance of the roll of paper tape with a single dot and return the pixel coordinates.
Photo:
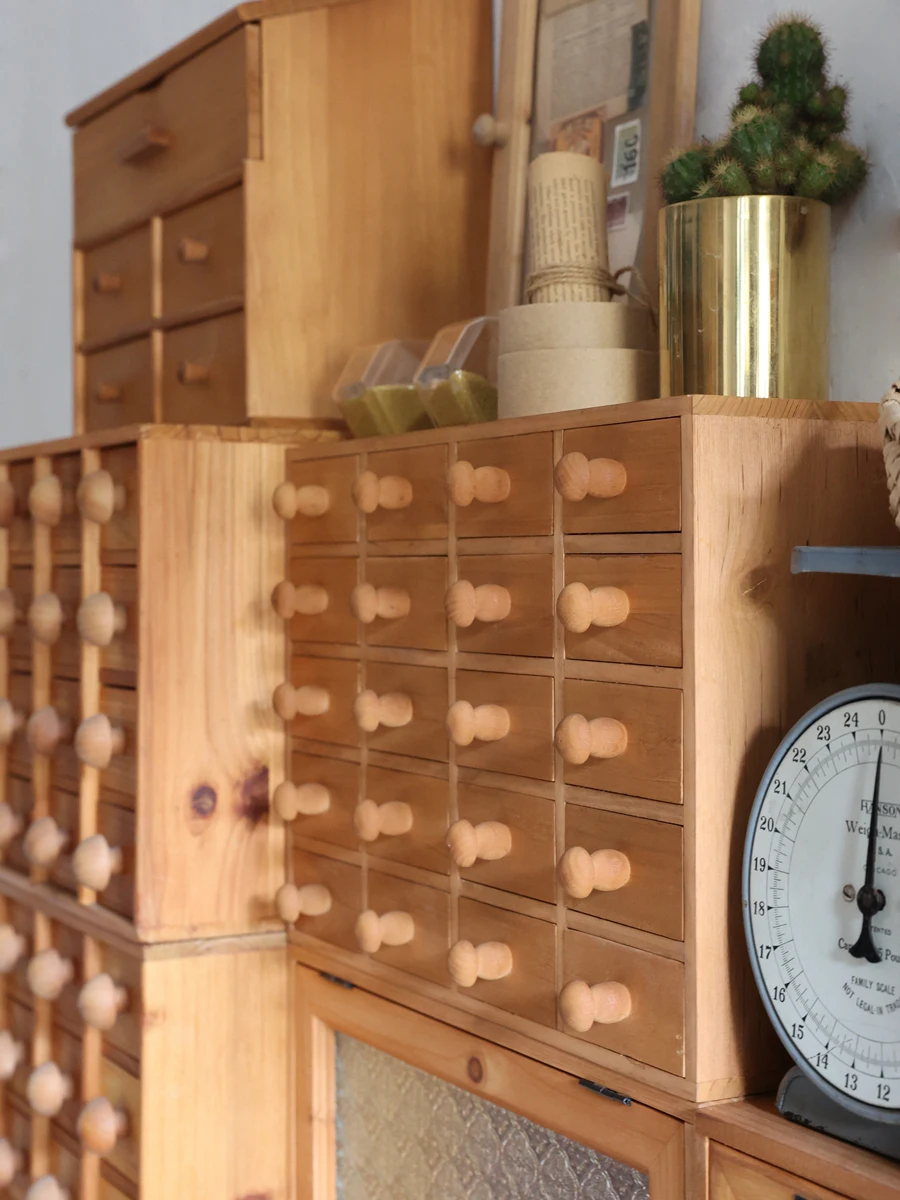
(543, 381)
(577, 324)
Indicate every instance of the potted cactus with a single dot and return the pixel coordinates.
(745, 232)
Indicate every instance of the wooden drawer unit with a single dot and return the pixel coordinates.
(519, 856)
(316, 603)
(403, 710)
(203, 256)
(503, 604)
(320, 801)
(402, 603)
(403, 818)
(343, 883)
(503, 486)
(203, 372)
(321, 697)
(118, 385)
(503, 723)
(735, 1176)
(117, 287)
(402, 495)
(406, 926)
(316, 500)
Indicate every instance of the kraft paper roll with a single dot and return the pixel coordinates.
(543, 381)
(567, 241)
(586, 324)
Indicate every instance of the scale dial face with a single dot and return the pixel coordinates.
(822, 897)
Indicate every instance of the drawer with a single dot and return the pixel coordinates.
(22, 921)
(69, 943)
(18, 753)
(21, 531)
(319, 599)
(203, 255)
(117, 826)
(17, 1131)
(323, 493)
(503, 604)
(50, 846)
(338, 680)
(526, 701)
(66, 1051)
(19, 639)
(63, 1164)
(120, 532)
(639, 491)
(119, 706)
(623, 608)
(344, 884)
(65, 585)
(653, 1030)
(425, 954)
(116, 614)
(62, 511)
(123, 1090)
(164, 143)
(528, 866)
(734, 1176)
(418, 802)
(403, 495)
(203, 375)
(422, 583)
(342, 781)
(503, 487)
(118, 386)
(529, 990)
(20, 1021)
(643, 876)
(637, 728)
(424, 735)
(123, 1038)
(117, 296)
(20, 798)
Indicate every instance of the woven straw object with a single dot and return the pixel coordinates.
(890, 424)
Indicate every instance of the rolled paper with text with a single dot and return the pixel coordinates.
(568, 256)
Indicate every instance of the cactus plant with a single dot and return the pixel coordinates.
(785, 136)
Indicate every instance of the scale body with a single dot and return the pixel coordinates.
(821, 902)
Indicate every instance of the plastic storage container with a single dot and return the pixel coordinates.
(375, 392)
(456, 379)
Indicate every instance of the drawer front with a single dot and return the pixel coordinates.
(426, 955)
(527, 509)
(65, 657)
(120, 706)
(649, 633)
(651, 763)
(344, 884)
(123, 1091)
(67, 1052)
(124, 1038)
(425, 736)
(329, 582)
(203, 375)
(426, 802)
(527, 749)
(734, 1176)
(339, 679)
(63, 1165)
(340, 520)
(20, 1020)
(425, 516)
(18, 753)
(118, 386)
(528, 869)
(118, 286)
(652, 897)
(650, 452)
(22, 921)
(120, 532)
(17, 1130)
(117, 825)
(203, 255)
(66, 535)
(21, 531)
(529, 989)
(342, 779)
(20, 798)
(527, 627)
(119, 660)
(653, 1032)
(162, 145)
(424, 583)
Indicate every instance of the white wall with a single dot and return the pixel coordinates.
(56, 53)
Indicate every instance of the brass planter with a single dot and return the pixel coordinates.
(744, 297)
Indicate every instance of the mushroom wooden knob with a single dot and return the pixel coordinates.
(307, 701)
(391, 492)
(7, 503)
(581, 872)
(48, 1089)
(11, 1162)
(465, 603)
(192, 250)
(100, 1001)
(47, 1187)
(12, 948)
(46, 729)
(44, 841)
(582, 1005)
(99, 619)
(95, 862)
(467, 963)
(100, 1126)
(98, 741)
(578, 739)
(488, 131)
(310, 900)
(12, 1052)
(487, 485)
(577, 476)
(309, 500)
(301, 800)
(482, 723)
(489, 840)
(309, 600)
(10, 825)
(99, 497)
(579, 607)
(382, 820)
(48, 973)
(389, 929)
(9, 612)
(393, 709)
(11, 722)
(45, 500)
(388, 603)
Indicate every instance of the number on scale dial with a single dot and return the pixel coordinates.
(822, 896)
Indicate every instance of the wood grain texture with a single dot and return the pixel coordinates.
(117, 287)
(191, 284)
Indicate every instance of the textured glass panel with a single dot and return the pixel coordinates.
(405, 1135)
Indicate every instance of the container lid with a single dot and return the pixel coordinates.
(383, 363)
(466, 345)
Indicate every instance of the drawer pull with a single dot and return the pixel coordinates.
(579, 607)
(44, 842)
(8, 503)
(484, 723)
(488, 131)
(48, 973)
(9, 612)
(373, 820)
(388, 603)
(46, 729)
(393, 710)
(98, 741)
(465, 603)
(99, 497)
(577, 477)
(489, 840)
(192, 373)
(144, 146)
(582, 1005)
(306, 800)
(310, 500)
(389, 929)
(12, 948)
(100, 1001)
(45, 500)
(391, 492)
(108, 393)
(307, 701)
(487, 485)
(106, 283)
(310, 900)
(10, 825)
(307, 600)
(190, 251)
(45, 618)
(11, 721)
(47, 1187)
(11, 1162)
(12, 1053)
(100, 1126)
(95, 862)
(99, 619)
(467, 963)
(578, 739)
(581, 872)
(48, 1089)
